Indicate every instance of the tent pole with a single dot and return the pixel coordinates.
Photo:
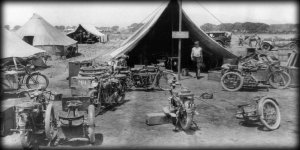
(15, 63)
(179, 40)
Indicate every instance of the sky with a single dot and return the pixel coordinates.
(125, 13)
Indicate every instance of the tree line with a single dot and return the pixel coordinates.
(250, 27)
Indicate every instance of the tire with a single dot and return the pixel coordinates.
(92, 97)
(186, 119)
(50, 123)
(91, 124)
(235, 88)
(33, 78)
(122, 94)
(164, 81)
(275, 85)
(263, 116)
(266, 46)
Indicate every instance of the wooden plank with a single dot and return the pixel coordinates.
(156, 119)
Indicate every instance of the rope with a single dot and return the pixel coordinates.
(209, 12)
(152, 12)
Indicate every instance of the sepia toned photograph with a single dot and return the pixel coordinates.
(149, 74)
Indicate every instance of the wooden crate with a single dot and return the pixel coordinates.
(214, 76)
(80, 86)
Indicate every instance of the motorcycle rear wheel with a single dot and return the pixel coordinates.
(91, 124)
(267, 119)
(280, 77)
(235, 87)
(32, 81)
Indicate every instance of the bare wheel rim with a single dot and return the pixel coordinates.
(165, 80)
(50, 123)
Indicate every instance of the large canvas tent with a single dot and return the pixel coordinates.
(88, 29)
(154, 39)
(41, 34)
(13, 46)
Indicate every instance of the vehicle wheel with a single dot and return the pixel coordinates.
(50, 123)
(280, 80)
(266, 46)
(122, 95)
(91, 123)
(37, 80)
(165, 80)
(186, 119)
(232, 81)
(93, 95)
(293, 46)
(270, 116)
(26, 139)
(129, 83)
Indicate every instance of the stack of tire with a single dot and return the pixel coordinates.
(92, 71)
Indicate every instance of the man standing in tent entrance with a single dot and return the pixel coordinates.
(197, 57)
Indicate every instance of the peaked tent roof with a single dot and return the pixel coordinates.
(89, 28)
(43, 32)
(13, 46)
(195, 32)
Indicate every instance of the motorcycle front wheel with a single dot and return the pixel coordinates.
(37, 80)
(50, 123)
(270, 116)
(185, 118)
(280, 80)
(93, 95)
(26, 139)
(232, 81)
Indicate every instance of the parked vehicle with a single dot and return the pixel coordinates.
(75, 124)
(270, 44)
(181, 106)
(251, 73)
(221, 37)
(35, 117)
(106, 91)
(262, 109)
(25, 76)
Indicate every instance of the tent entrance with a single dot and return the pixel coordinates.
(28, 39)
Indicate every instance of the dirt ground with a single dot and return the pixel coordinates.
(125, 125)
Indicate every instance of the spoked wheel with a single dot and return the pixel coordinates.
(232, 81)
(185, 118)
(50, 123)
(37, 81)
(91, 124)
(129, 83)
(93, 95)
(270, 116)
(280, 80)
(122, 94)
(165, 80)
(266, 46)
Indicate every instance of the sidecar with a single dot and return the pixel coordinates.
(261, 109)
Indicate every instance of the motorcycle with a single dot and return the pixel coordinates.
(149, 77)
(35, 118)
(181, 106)
(251, 73)
(262, 109)
(106, 92)
(25, 74)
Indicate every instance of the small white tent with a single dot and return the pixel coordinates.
(89, 29)
(39, 33)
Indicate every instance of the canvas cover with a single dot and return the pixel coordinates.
(13, 46)
(196, 33)
(44, 33)
(92, 30)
